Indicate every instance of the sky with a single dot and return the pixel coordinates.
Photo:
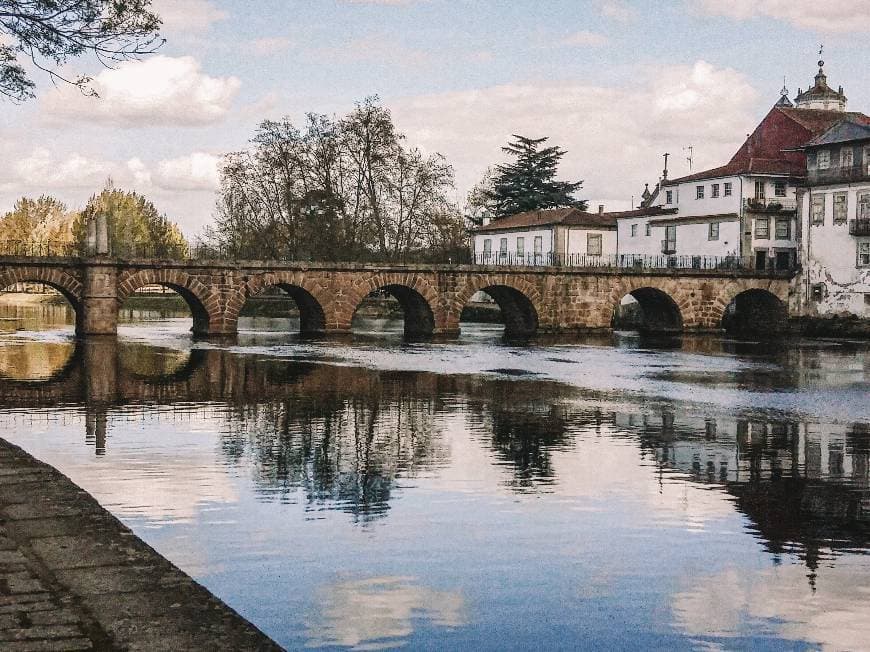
(615, 83)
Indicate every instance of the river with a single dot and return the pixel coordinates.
(366, 493)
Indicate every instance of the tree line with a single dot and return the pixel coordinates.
(47, 225)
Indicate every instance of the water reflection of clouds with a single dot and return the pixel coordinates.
(833, 615)
(379, 612)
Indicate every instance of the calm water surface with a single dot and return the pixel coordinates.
(370, 494)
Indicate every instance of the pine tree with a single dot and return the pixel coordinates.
(529, 183)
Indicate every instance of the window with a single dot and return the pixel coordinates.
(713, 231)
(866, 159)
(521, 247)
(648, 229)
(863, 206)
(846, 157)
(487, 248)
(841, 207)
(699, 192)
(669, 196)
(779, 188)
(762, 228)
(818, 209)
(864, 254)
(759, 189)
(593, 244)
(714, 190)
(671, 238)
(502, 247)
(783, 229)
(728, 187)
(818, 292)
(633, 230)
(823, 159)
(539, 247)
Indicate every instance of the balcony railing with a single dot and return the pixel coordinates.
(838, 174)
(770, 205)
(625, 261)
(669, 247)
(859, 227)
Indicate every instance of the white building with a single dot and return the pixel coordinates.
(835, 217)
(746, 209)
(559, 236)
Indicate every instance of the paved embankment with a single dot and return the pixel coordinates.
(73, 577)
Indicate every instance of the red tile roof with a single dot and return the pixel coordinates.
(765, 150)
(567, 217)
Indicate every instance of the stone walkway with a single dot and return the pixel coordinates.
(72, 577)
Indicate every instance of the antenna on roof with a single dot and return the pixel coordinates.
(691, 157)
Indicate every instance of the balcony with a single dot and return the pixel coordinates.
(836, 174)
(669, 247)
(859, 227)
(771, 205)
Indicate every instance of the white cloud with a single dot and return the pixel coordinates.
(829, 16)
(619, 11)
(41, 169)
(197, 171)
(614, 136)
(188, 15)
(584, 38)
(159, 91)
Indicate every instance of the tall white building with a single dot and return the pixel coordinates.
(835, 218)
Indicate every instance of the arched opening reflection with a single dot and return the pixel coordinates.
(648, 310)
(500, 304)
(36, 306)
(36, 360)
(394, 308)
(165, 305)
(755, 312)
(147, 362)
(283, 307)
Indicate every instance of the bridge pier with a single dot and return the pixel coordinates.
(99, 305)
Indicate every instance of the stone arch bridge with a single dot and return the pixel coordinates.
(532, 299)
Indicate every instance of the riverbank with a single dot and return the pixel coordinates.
(73, 577)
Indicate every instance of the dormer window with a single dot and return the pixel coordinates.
(669, 196)
(823, 159)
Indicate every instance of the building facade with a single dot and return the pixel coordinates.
(560, 236)
(834, 209)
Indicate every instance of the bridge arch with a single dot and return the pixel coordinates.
(418, 299)
(203, 302)
(68, 285)
(310, 298)
(518, 300)
(659, 311)
(752, 311)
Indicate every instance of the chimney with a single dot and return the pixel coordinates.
(600, 208)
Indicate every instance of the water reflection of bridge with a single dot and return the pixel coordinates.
(344, 433)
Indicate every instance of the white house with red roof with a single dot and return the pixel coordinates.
(747, 208)
(558, 236)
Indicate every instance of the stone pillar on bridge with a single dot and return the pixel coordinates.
(99, 299)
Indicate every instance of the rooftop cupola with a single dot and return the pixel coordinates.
(783, 100)
(821, 96)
